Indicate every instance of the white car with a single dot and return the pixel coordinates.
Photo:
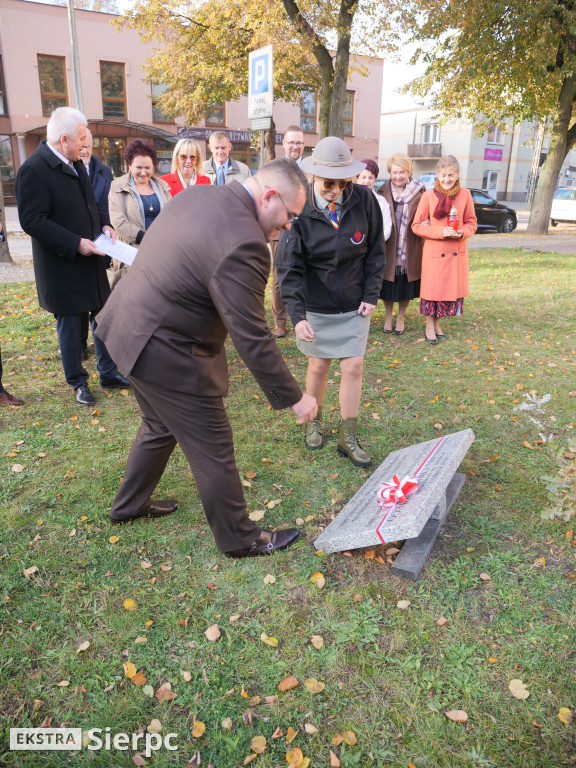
(563, 206)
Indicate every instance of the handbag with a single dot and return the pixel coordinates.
(115, 272)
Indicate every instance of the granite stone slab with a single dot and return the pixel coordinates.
(355, 526)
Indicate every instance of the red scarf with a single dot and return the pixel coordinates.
(445, 199)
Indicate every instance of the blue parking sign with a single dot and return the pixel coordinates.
(260, 88)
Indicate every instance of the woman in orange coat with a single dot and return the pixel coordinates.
(444, 282)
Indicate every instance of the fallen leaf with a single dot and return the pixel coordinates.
(310, 729)
(288, 683)
(566, 715)
(334, 762)
(113, 539)
(234, 617)
(250, 474)
(198, 729)
(492, 659)
(129, 669)
(258, 744)
(165, 693)
(139, 679)
(457, 715)
(141, 639)
(257, 515)
(138, 760)
(294, 756)
(63, 684)
(213, 633)
(349, 738)
(129, 604)
(403, 604)
(526, 444)
(166, 568)
(278, 733)
(271, 641)
(518, 689)
(154, 727)
(317, 641)
(314, 686)
(291, 735)
(337, 740)
(540, 562)
(249, 759)
(195, 761)
(145, 564)
(441, 621)
(29, 571)
(226, 723)
(269, 579)
(392, 551)
(271, 699)
(370, 554)
(186, 675)
(254, 701)
(485, 577)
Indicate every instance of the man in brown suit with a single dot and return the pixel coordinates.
(200, 275)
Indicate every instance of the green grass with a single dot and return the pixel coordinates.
(390, 674)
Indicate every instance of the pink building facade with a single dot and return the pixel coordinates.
(36, 76)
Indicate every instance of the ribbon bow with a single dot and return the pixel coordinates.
(396, 491)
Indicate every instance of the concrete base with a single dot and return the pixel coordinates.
(412, 558)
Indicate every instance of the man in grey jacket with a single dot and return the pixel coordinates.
(221, 169)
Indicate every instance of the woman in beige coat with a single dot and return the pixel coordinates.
(136, 198)
(444, 282)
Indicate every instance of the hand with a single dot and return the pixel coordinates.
(87, 247)
(366, 309)
(109, 232)
(449, 232)
(304, 331)
(306, 409)
(425, 223)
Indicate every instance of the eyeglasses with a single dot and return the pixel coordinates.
(340, 183)
(187, 157)
(292, 217)
(293, 143)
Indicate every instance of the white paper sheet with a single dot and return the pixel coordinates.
(119, 250)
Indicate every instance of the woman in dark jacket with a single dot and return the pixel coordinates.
(403, 247)
(330, 267)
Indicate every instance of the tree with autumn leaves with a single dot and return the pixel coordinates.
(201, 50)
(501, 62)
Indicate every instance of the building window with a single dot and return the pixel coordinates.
(308, 107)
(53, 89)
(6, 166)
(3, 104)
(431, 133)
(113, 89)
(348, 119)
(490, 181)
(216, 115)
(157, 115)
(494, 135)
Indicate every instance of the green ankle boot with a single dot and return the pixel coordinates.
(314, 437)
(348, 444)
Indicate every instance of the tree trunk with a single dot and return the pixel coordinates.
(325, 98)
(542, 204)
(5, 257)
(341, 64)
(270, 142)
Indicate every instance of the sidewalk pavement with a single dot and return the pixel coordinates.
(562, 239)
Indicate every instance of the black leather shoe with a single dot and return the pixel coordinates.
(115, 382)
(150, 509)
(267, 543)
(83, 395)
(441, 335)
(431, 341)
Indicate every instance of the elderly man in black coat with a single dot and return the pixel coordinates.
(57, 208)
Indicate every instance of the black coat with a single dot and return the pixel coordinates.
(57, 208)
(321, 269)
(101, 178)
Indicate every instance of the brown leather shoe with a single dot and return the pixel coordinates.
(7, 399)
(280, 331)
(150, 509)
(267, 543)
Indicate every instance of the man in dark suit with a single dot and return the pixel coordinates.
(101, 178)
(57, 208)
(166, 324)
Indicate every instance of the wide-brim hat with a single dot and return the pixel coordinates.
(332, 159)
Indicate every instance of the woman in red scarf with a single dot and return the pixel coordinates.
(444, 282)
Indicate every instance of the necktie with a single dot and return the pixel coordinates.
(221, 178)
(334, 220)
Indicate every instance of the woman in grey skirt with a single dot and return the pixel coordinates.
(330, 267)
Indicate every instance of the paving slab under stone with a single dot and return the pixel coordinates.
(355, 526)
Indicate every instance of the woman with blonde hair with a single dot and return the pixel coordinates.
(403, 248)
(186, 162)
(445, 219)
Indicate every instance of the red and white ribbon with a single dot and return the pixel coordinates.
(395, 492)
